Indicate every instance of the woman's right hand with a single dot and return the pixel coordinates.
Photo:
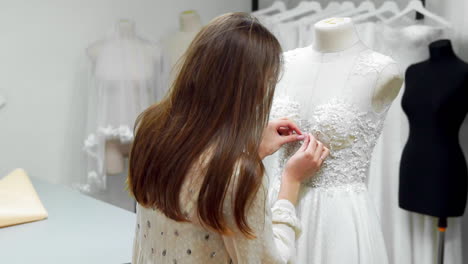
(301, 166)
(307, 160)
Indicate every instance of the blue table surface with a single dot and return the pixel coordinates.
(80, 229)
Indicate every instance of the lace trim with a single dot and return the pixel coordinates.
(349, 133)
(94, 183)
(123, 133)
(370, 62)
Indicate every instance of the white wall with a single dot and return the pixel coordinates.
(42, 72)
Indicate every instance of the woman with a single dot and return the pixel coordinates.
(196, 163)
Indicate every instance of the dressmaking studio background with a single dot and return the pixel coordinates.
(75, 74)
(47, 74)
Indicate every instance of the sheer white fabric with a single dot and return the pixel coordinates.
(293, 34)
(409, 237)
(330, 96)
(127, 74)
(455, 12)
(159, 239)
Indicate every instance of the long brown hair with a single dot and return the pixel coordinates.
(221, 97)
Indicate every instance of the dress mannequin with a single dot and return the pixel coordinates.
(433, 171)
(177, 44)
(340, 91)
(128, 75)
(337, 34)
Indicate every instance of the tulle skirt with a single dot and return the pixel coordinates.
(339, 225)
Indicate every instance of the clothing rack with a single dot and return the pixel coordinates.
(418, 15)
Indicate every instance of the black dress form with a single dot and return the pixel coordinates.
(433, 171)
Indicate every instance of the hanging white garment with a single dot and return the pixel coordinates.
(127, 74)
(287, 34)
(300, 33)
(275, 8)
(454, 11)
(329, 95)
(409, 237)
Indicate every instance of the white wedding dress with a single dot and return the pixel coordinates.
(127, 74)
(330, 96)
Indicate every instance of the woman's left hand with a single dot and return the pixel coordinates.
(277, 133)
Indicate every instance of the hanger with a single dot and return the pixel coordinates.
(332, 6)
(303, 8)
(387, 6)
(416, 5)
(366, 6)
(330, 11)
(346, 6)
(333, 9)
(276, 7)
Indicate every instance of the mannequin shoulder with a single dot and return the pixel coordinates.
(374, 61)
(389, 81)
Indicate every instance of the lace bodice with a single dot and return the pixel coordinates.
(342, 118)
(348, 133)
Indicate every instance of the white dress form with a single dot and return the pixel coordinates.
(339, 91)
(176, 44)
(128, 75)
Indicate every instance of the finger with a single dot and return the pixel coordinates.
(312, 145)
(318, 150)
(284, 131)
(305, 144)
(289, 131)
(290, 124)
(291, 138)
(324, 155)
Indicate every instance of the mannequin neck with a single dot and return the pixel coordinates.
(334, 35)
(126, 28)
(189, 21)
(441, 49)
